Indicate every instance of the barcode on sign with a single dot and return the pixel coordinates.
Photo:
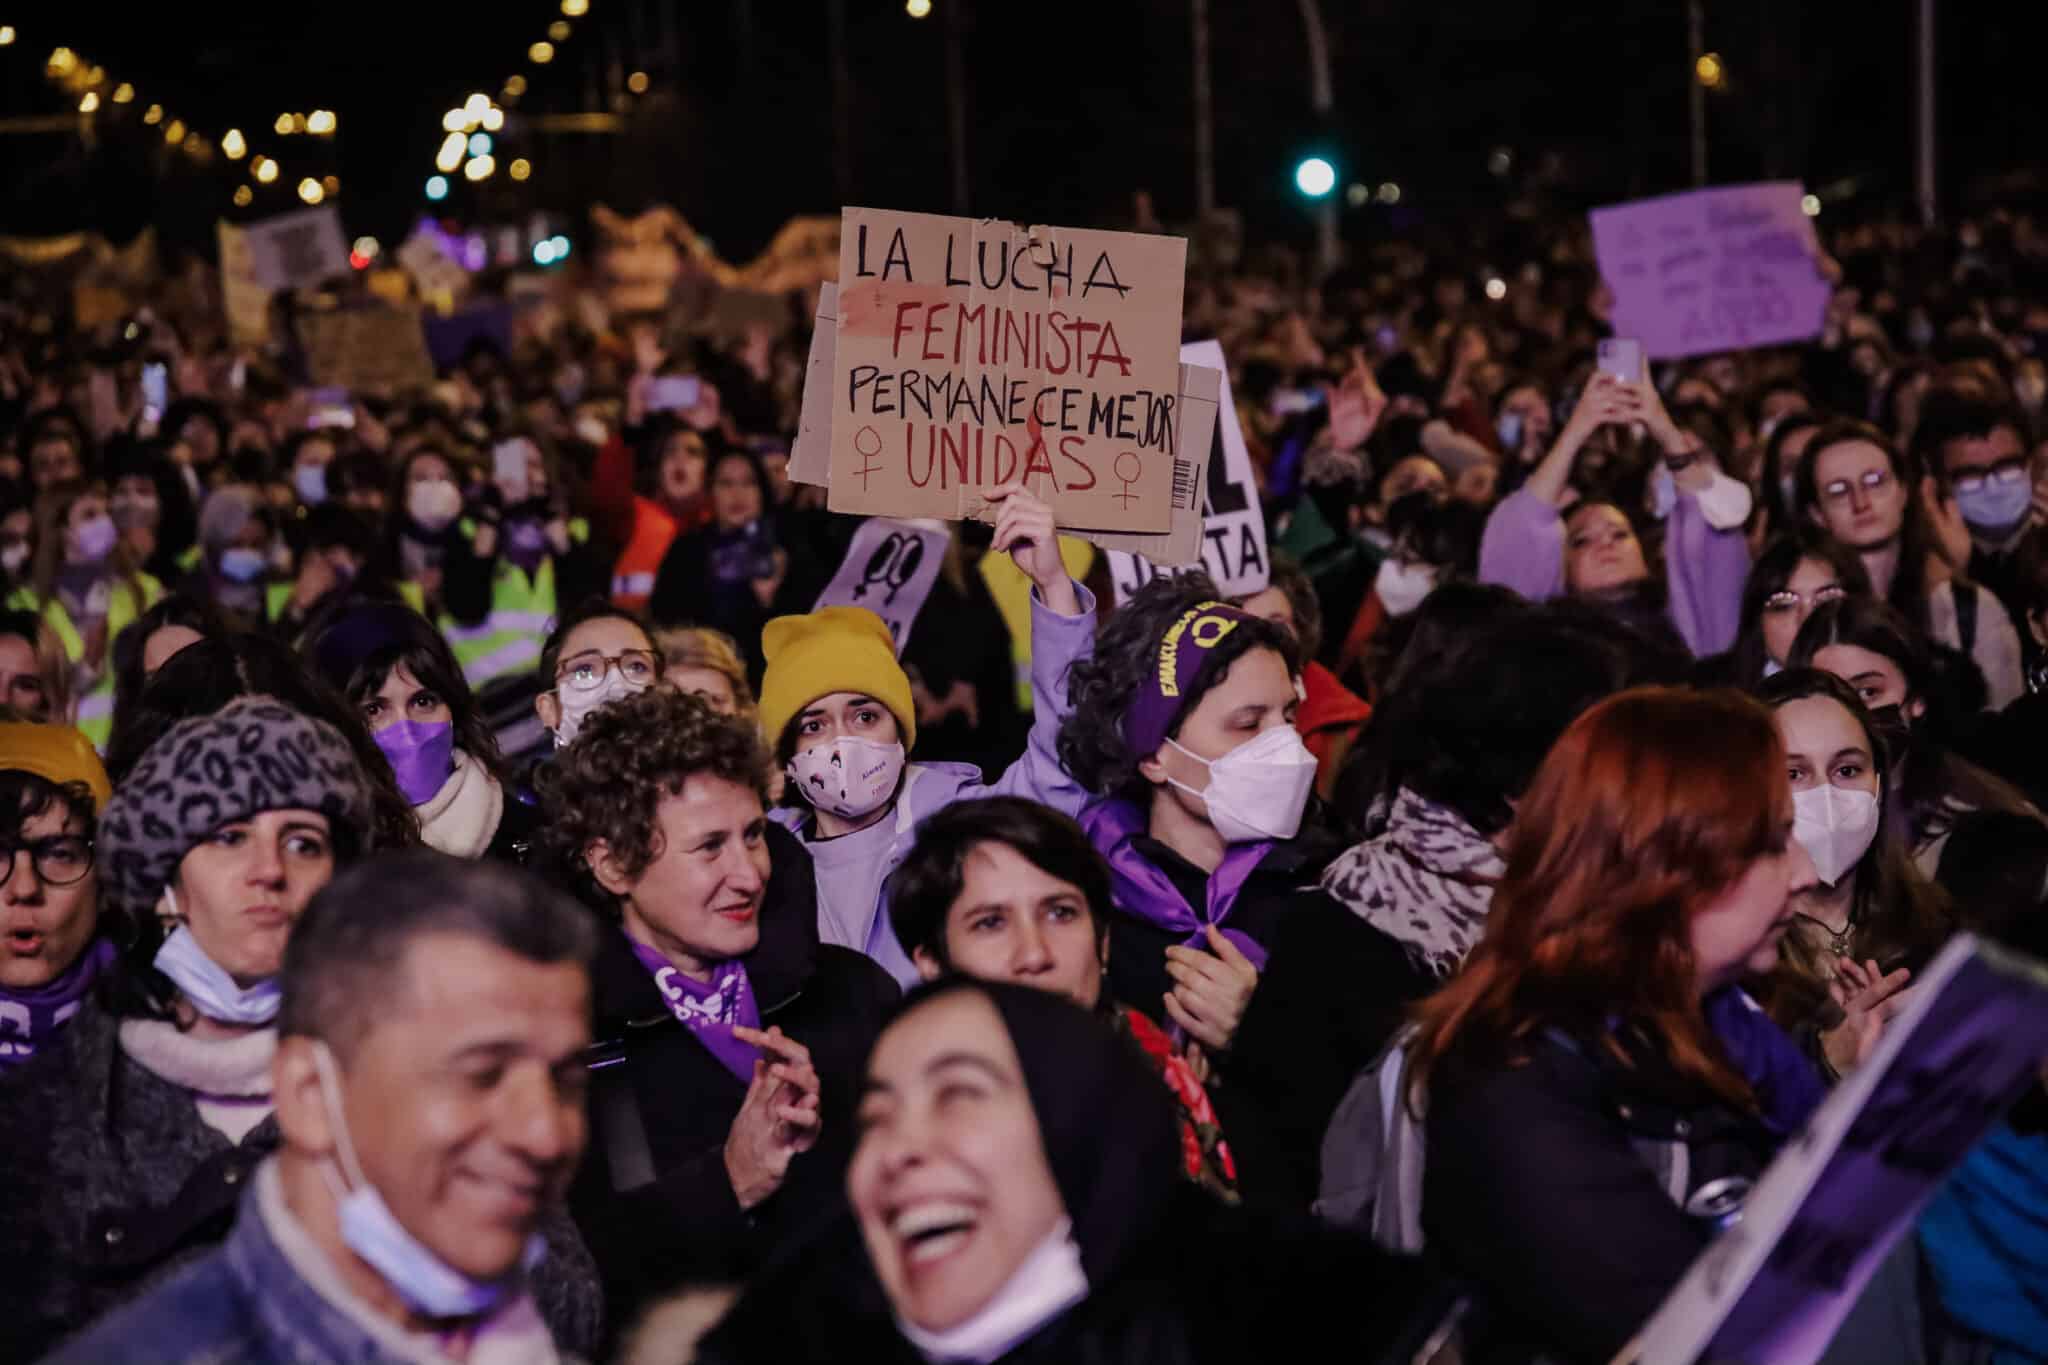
(1183, 483)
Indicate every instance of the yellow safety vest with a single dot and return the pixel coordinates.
(508, 642)
(95, 709)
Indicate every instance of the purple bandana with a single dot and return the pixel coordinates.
(709, 1011)
(1184, 652)
(1139, 888)
(28, 1019)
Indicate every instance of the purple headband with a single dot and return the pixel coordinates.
(1185, 651)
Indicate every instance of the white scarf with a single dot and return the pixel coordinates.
(463, 816)
(229, 1077)
(1048, 1282)
(1426, 883)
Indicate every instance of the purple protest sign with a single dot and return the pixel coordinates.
(1713, 270)
(1775, 1287)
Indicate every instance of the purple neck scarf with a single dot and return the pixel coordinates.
(1143, 890)
(29, 1019)
(709, 1011)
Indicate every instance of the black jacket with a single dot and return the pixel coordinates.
(1279, 888)
(1206, 1284)
(109, 1178)
(1334, 991)
(661, 1104)
(1539, 1189)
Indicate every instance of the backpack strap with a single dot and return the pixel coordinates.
(1966, 616)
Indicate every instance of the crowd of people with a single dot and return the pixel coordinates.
(464, 899)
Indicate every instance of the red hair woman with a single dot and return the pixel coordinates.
(1599, 1092)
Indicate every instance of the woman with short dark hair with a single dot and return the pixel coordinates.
(1004, 889)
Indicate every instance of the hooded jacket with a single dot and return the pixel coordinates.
(1174, 1277)
(653, 1197)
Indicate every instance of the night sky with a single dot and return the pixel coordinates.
(1071, 106)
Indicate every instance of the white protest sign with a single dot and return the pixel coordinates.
(973, 352)
(1773, 1289)
(889, 569)
(1233, 520)
(1713, 270)
(297, 250)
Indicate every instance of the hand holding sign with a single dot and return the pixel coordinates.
(1025, 527)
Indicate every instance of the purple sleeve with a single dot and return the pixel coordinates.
(1705, 569)
(1056, 642)
(1523, 547)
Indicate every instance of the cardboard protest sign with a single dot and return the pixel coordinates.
(811, 455)
(889, 569)
(436, 273)
(1233, 529)
(297, 250)
(366, 350)
(974, 352)
(1775, 1286)
(243, 298)
(1713, 270)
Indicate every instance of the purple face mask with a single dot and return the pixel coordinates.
(421, 755)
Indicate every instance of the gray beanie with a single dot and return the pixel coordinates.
(253, 755)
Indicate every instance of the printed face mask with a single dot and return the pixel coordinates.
(1836, 826)
(434, 1288)
(849, 777)
(1259, 789)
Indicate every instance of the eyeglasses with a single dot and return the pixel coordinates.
(1837, 490)
(2005, 471)
(585, 672)
(59, 860)
(1785, 599)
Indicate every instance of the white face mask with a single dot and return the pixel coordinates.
(1259, 789)
(369, 1229)
(576, 705)
(849, 777)
(434, 503)
(1836, 826)
(1403, 586)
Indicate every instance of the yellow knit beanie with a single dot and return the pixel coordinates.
(56, 753)
(834, 649)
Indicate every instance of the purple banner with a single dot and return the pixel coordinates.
(1713, 270)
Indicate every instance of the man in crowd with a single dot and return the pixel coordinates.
(429, 1084)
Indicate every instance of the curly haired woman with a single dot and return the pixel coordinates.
(730, 1039)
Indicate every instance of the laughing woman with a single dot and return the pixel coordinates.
(1014, 1199)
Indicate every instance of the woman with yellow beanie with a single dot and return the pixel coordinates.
(837, 707)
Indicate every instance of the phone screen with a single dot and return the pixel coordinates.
(156, 388)
(508, 467)
(672, 393)
(1622, 357)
